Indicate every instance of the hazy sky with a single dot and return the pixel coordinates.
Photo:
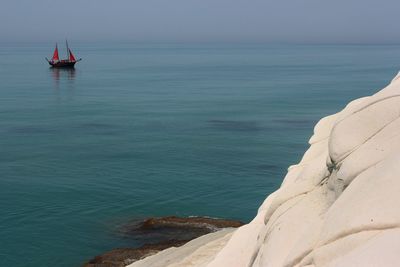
(282, 21)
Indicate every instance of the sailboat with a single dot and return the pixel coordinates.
(55, 61)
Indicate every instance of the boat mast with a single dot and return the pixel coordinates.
(67, 49)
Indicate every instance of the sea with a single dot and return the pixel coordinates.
(139, 130)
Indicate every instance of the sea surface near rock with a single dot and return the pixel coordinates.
(337, 207)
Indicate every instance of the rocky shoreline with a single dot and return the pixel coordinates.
(169, 232)
(336, 208)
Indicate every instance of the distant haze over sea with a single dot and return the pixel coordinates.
(307, 21)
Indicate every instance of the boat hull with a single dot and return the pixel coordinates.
(63, 64)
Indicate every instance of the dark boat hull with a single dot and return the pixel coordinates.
(63, 64)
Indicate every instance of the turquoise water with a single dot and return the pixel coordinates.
(141, 130)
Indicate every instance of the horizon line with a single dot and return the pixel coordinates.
(78, 40)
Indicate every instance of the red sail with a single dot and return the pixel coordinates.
(55, 55)
(71, 56)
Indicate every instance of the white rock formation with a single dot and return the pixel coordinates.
(340, 206)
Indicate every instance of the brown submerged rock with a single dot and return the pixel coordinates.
(206, 223)
(168, 232)
(120, 257)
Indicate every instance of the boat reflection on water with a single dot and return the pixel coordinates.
(63, 82)
(63, 73)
